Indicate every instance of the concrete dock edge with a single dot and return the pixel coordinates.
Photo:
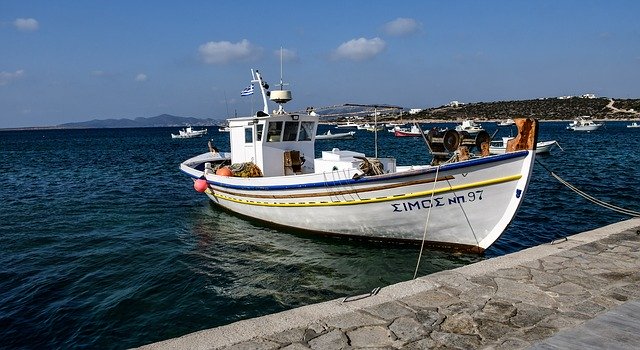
(476, 306)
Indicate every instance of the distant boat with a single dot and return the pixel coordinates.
(347, 125)
(224, 129)
(337, 136)
(584, 123)
(500, 146)
(633, 125)
(370, 127)
(469, 126)
(506, 122)
(404, 132)
(188, 133)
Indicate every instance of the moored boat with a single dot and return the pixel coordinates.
(584, 123)
(188, 133)
(500, 146)
(404, 132)
(337, 136)
(270, 175)
(469, 126)
(633, 125)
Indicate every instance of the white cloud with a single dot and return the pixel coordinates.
(26, 24)
(402, 27)
(360, 49)
(8, 77)
(221, 52)
(287, 55)
(141, 77)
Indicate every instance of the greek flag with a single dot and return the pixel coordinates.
(247, 91)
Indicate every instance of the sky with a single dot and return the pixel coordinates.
(70, 61)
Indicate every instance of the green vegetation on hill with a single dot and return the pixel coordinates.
(543, 109)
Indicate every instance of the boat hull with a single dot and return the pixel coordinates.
(467, 206)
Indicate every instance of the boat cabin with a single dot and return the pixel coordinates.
(278, 144)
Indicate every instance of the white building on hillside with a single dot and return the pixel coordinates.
(415, 110)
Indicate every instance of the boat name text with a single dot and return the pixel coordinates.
(437, 202)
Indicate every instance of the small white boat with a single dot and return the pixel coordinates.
(271, 175)
(224, 129)
(469, 126)
(348, 125)
(633, 125)
(499, 146)
(337, 136)
(188, 133)
(506, 122)
(370, 127)
(584, 123)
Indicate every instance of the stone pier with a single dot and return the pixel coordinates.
(582, 292)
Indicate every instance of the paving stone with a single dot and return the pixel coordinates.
(496, 310)
(528, 293)
(528, 315)
(460, 324)
(389, 311)
(430, 318)
(490, 330)
(407, 329)
(289, 336)
(295, 346)
(430, 298)
(353, 319)
(332, 340)
(459, 341)
(370, 335)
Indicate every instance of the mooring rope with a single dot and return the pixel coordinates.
(426, 224)
(589, 197)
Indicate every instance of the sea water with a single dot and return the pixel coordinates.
(105, 244)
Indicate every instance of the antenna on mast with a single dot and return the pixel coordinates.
(280, 96)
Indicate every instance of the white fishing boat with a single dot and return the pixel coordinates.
(500, 146)
(337, 136)
(188, 133)
(458, 201)
(633, 125)
(469, 126)
(584, 123)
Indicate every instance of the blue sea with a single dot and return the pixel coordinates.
(105, 244)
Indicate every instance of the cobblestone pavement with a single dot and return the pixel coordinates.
(509, 302)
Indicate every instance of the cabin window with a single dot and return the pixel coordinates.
(274, 131)
(290, 131)
(259, 128)
(248, 135)
(306, 130)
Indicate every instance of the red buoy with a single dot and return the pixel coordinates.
(200, 185)
(224, 171)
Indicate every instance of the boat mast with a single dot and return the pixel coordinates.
(257, 78)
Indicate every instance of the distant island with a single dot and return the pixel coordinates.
(163, 120)
(544, 109)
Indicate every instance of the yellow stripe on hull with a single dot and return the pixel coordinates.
(370, 200)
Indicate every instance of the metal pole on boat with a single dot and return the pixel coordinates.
(375, 129)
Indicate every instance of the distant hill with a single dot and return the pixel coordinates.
(163, 120)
